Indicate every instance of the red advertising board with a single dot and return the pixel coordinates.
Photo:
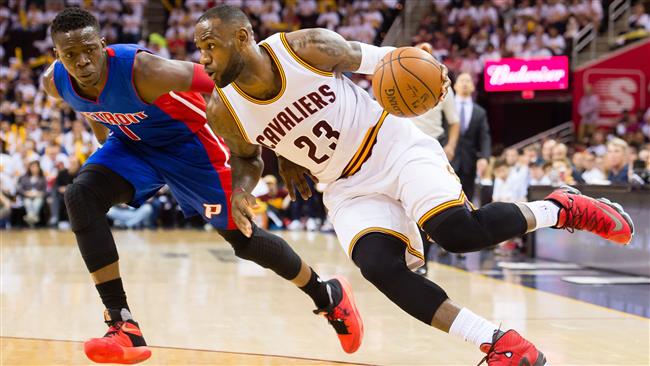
(621, 81)
(509, 74)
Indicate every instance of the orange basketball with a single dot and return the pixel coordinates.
(408, 82)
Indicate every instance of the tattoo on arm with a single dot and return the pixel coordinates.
(325, 50)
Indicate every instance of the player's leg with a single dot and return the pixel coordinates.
(99, 185)
(381, 259)
(203, 186)
(444, 213)
(333, 298)
(384, 243)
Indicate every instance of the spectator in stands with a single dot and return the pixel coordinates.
(639, 19)
(329, 19)
(277, 200)
(487, 14)
(592, 173)
(627, 119)
(538, 176)
(560, 152)
(466, 14)
(474, 144)
(645, 125)
(124, 216)
(588, 110)
(32, 189)
(306, 214)
(638, 24)
(562, 173)
(555, 41)
(572, 28)
(63, 180)
(132, 24)
(515, 41)
(518, 175)
(617, 161)
(597, 144)
(501, 192)
(51, 161)
(533, 153)
(5, 210)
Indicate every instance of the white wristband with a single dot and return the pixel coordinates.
(370, 57)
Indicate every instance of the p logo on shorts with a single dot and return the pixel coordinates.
(211, 210)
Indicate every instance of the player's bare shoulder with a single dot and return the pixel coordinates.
(48, 82)
(325, 49)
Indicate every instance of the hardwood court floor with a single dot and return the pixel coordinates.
(192, 297)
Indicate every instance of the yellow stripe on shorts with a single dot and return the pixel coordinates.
(363, 153)
(390, 232)
(441, 207)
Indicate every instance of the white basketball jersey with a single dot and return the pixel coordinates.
(321, 121)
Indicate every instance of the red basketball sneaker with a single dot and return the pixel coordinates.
(123, 343)
(511, 349)
(343, 315)
(599, 216)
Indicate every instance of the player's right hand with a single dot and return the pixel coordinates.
(295, 177)
(243, 204)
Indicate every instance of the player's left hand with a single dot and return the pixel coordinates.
(243, 204)
(295, 177)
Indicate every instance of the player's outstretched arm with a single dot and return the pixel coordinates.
(329, 51)
(154, 76)
(101, 132)
(245, 160)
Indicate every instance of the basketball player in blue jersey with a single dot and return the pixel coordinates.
(385, 178)
(150, 117)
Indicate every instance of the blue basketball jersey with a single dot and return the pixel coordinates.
(150, 145)
(173, 116)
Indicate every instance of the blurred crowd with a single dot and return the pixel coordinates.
(607, 160)
(43, 142)
(365, 21)
(466, 33)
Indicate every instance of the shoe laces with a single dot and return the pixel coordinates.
(584, 219)
(492, 354)
(114, 328)
(336, 317)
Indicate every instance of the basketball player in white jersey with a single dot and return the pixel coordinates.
(385, 177)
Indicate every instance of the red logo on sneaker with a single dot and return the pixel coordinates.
(130, 328)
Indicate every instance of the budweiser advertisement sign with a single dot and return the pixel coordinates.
(620, 80)
(513, 74)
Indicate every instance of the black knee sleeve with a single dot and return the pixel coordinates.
(268, 250)
(380, 257)
(460, 230)
(87, 200)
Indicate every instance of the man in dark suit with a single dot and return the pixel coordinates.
(473, 149)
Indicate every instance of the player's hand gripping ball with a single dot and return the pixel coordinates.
(409, 81)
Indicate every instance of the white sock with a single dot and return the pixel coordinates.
(545, 212)
(472, 328)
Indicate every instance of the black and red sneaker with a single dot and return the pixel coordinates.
(599, 216)
(511, 349)
(123, 343)
(343, 315)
